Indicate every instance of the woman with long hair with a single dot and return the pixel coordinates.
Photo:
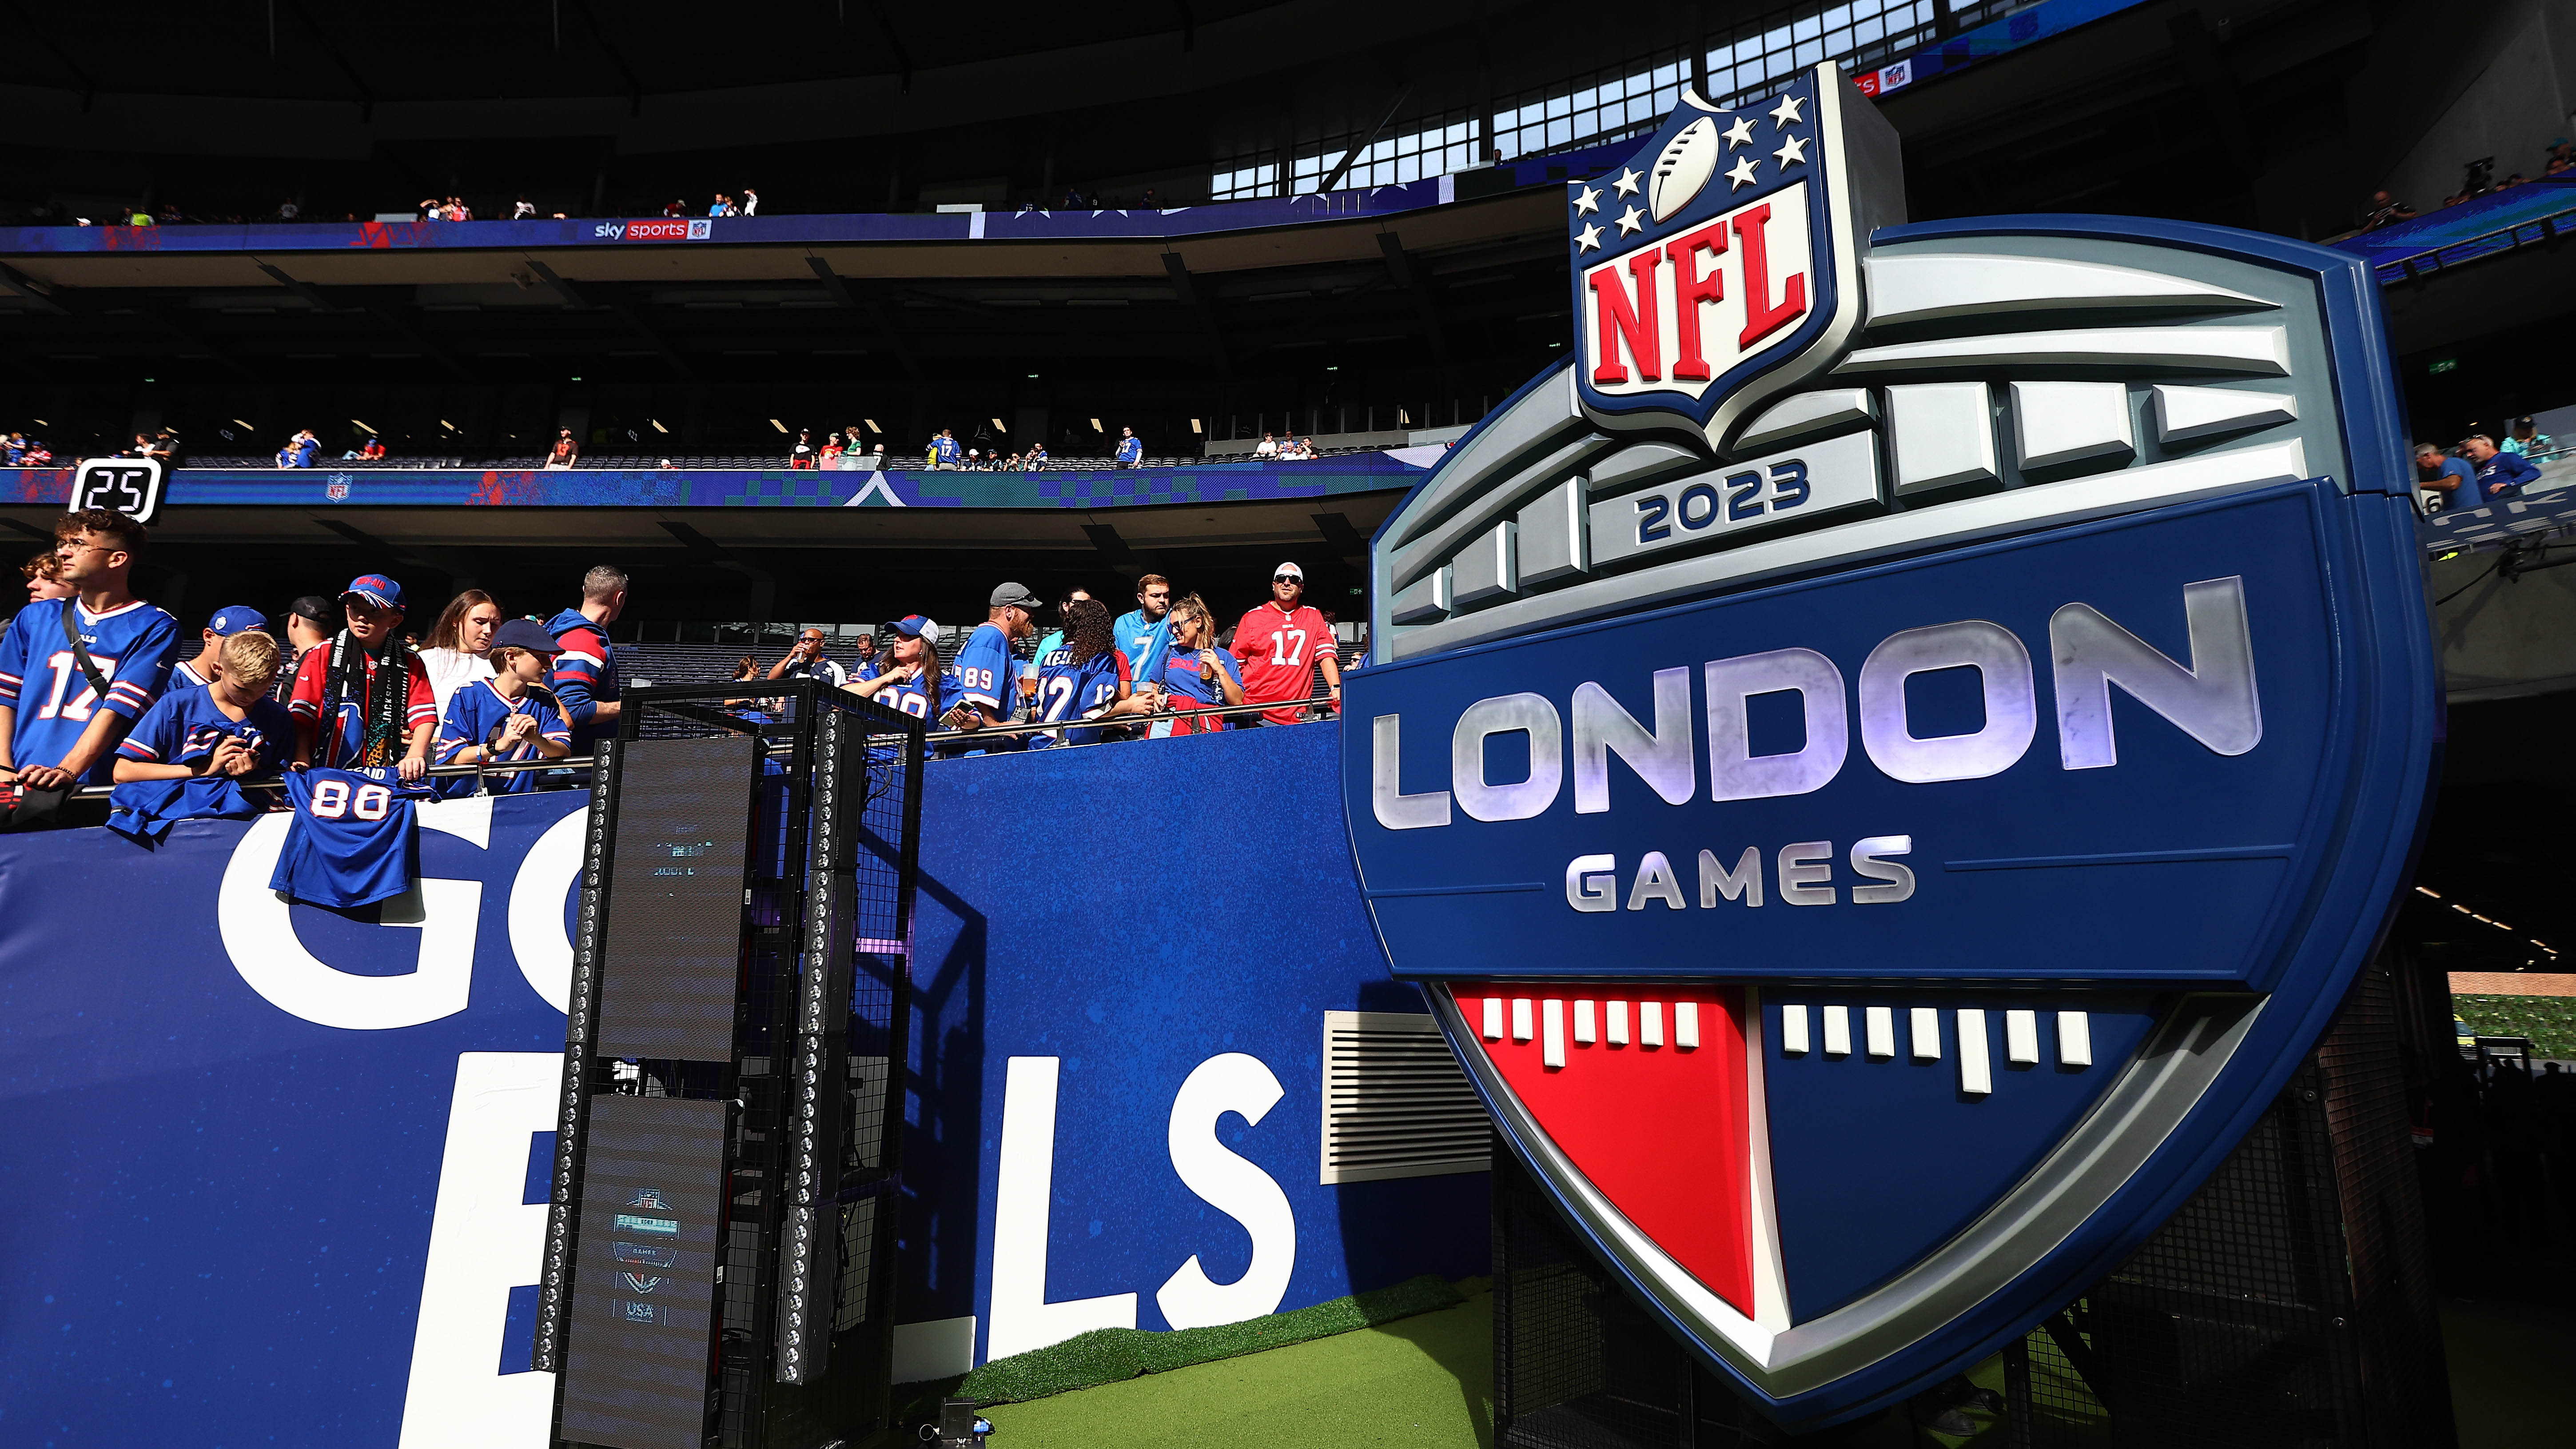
(905, 674)
(1084, 677)
(1196, 675)
(455, 652)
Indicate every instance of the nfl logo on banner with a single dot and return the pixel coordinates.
(337, 487)
(1886, 760)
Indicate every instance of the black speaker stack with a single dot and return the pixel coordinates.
(718, 1254)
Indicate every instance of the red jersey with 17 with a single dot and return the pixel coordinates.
(1278, 649)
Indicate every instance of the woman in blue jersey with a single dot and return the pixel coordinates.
(905, 674)
(1196, 674)
(1083, 677)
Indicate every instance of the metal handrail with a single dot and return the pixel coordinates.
(582, 762)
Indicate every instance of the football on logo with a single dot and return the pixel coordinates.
(1873, 696)
(1683, 170)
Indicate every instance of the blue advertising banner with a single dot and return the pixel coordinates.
(746, 488)
(792, 230)
(279, 1172)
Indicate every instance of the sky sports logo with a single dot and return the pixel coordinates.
(677, 228)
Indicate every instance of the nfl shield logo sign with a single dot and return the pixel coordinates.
(1708, 267)
(1884, 761)
(337, 488)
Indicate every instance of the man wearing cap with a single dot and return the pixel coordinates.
(987, 675)
(1280, 643)
(509, 717)
(363, 699)
(208, 666)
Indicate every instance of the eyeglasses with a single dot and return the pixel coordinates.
(1286, 579)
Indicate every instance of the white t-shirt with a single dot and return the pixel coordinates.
(450, 670)
(1266, 449)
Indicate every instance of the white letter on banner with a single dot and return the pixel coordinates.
(1021, 1317)
(1662, 759)
(258, 929)
(1734, 771)
(538, 936)
(2213, 701)
(483, 1242)
(1233, 1185)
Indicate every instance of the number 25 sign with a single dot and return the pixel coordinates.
(131, 486)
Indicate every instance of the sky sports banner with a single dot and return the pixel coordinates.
(278, 1174)
(746, 488)
(1035, 224)
(1887, 758)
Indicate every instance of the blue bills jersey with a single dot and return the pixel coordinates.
(352, 841)
(144, 810)
(1070, 691)
(926, 698)
(476, 714)
(185, 725)
(989, 678)
(42, 679)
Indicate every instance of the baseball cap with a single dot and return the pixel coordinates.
(914, 626)
(232, 619)
(1014, 596)
(376, 589)
(1291, 570)
(312, 607)
(525, 634)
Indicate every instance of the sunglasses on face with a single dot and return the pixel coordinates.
(1286, 579)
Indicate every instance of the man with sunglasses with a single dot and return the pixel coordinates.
(1280, 642)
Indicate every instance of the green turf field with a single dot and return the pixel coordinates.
(1427, 1381)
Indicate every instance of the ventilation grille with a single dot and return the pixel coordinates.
(1395, 1103)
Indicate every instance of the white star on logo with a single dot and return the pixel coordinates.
(1587, 201)
(1741, 133)
(1792, 152)
(1786, 114)
(1742, 174)
(1588, 239)
(1626, 185)
(1631, 221)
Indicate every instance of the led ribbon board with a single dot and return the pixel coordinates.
(1886, 760)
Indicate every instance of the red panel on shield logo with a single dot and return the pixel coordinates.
(1644, 1089)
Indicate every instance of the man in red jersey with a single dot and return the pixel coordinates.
(1280, 643)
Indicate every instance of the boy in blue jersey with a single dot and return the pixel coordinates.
(509, 717)
(1084, 677)
(187, 754)
(67, 696)
(1131, 449)
(585, 677)
(229, 620)
(987, 675)
(907, 676)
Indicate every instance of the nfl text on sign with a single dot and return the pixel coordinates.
(2004, 819)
